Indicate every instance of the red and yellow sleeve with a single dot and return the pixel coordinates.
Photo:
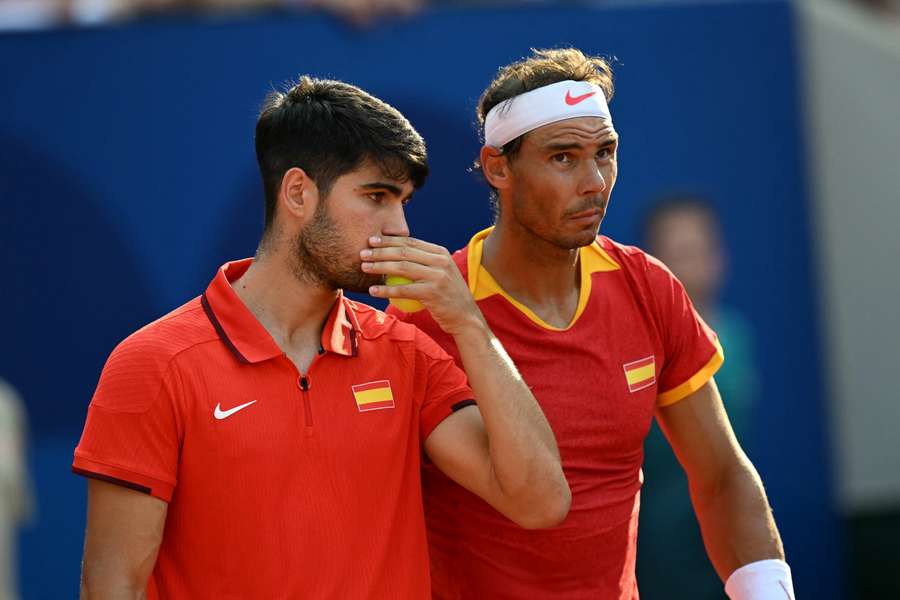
(131, 435)
(692, 353)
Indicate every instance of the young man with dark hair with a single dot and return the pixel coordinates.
(606, 338)
(264, 440)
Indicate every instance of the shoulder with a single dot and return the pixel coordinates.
(382, 327)
(139, 368)
(149, 350)
(636, 261)
(627, 256)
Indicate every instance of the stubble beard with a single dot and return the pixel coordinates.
(320, 257)
(536, 225)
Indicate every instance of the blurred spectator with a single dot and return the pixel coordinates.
(684, 232)
(889, 7)
(32, 14)
(15, 490)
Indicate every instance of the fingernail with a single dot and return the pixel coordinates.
(366, 266)
(366, 253)
(375, 239)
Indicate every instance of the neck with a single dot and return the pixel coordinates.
(529, 268)
(291, 310)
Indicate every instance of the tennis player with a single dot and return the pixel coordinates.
(265, 439)
(607, 339)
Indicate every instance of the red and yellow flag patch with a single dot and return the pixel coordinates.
(374, 395)
(640, 374)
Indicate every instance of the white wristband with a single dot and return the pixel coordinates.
(761, 580)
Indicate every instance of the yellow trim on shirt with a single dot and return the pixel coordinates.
(694, 383)
(592, 259)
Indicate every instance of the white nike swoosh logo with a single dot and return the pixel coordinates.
(224, 414)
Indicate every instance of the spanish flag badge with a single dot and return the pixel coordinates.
(640, 374)
(374, 395)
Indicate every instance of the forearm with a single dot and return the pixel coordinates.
(110, 588)
(736, 520)
(524, 457)
(109, 577)
(124, 533)
(508, 454)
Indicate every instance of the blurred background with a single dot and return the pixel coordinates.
(760, 158)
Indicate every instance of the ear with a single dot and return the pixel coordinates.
(495, 167)
(298, 195)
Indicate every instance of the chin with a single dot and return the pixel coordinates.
(585, 238)
(574, 242)
(360, 286)
(595, 231)
(356, 280)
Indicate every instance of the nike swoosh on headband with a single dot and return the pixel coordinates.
(573, 101)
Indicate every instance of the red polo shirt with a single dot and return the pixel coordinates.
(635, 343)
(279, 484)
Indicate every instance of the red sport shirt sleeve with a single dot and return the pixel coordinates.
(692, 353)
(446, 387)
(131, 436)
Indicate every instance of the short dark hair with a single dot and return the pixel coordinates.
(544, 67)
(329, 128)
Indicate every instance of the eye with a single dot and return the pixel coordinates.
(605, 153)
(562, 158)
(376, 197)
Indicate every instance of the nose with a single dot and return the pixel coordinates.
(395, 224)
(592, 182)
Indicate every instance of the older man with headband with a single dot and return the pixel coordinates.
(606, 338)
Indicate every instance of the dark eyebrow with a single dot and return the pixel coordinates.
(559, 147)
(382, 185)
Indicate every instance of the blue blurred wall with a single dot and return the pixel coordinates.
(127, 176)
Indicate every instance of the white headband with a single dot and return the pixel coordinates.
(549, 104)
